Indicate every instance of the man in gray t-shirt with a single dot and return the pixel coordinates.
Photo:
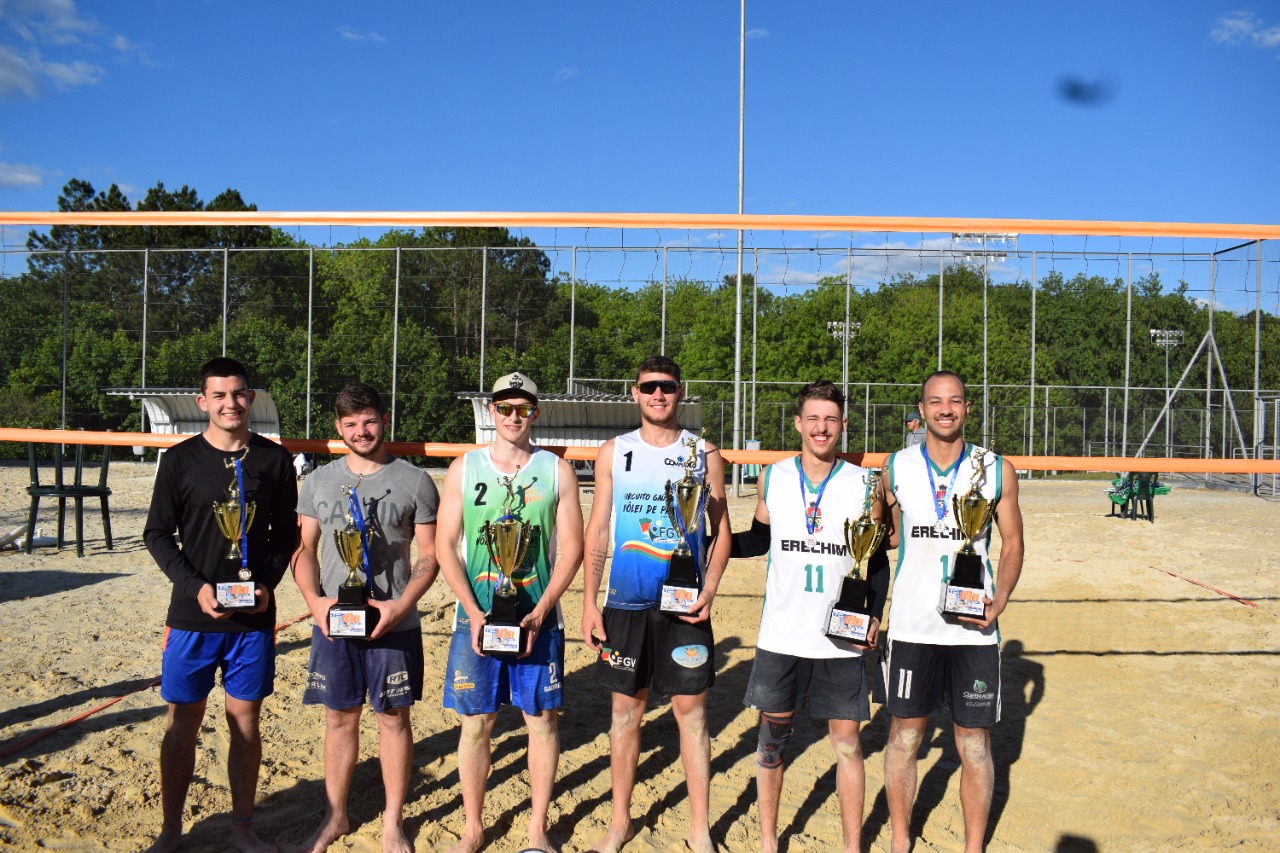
(394, 502)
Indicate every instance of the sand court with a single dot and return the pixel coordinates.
(1140, 680)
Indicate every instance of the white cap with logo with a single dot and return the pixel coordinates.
(515, 385)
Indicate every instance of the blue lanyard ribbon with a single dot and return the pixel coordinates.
(244, 532)
(940, 506)
(811, 520)
(357, 515)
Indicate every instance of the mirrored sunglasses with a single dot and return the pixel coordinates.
(524, 410)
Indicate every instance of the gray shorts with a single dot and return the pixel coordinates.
(923, 678)
(835, 687)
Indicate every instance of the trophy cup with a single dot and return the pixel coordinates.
(235, 517)
(962, 594)
(507, 540)
(849, 617)
(351, 616)
(686, 503)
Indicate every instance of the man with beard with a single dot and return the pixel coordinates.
(394, 502)
(639, 646)
(932, 662)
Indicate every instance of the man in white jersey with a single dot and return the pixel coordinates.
(639, 646)
(535, 486)
(931, 662)
(800, 515)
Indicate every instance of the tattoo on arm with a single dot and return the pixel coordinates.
(423, 566)
(597, 564)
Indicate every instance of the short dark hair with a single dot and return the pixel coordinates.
(820, 389)
(358, 397)
(659, 364)
(938, 373)
(222, 367)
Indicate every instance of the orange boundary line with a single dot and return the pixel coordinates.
(1174, 574)
(708, 221)
(84, 715)
(758, 457)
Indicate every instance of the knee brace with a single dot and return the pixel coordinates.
(775, 731)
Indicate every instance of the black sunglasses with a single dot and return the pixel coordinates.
(668, 386)
(524, 410)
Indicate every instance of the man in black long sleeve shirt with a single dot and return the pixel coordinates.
(202, 636)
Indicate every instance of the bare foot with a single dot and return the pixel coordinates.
(471, 842)
(330, 830)
(539, 840)
(244, 839)
(166, 842)
(701, 844)
(614, 839)
(394, 840)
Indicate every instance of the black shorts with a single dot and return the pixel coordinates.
(647, 648)
(923, 678)
(835, 687)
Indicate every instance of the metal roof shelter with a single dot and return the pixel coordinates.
(173, 411)
(585, 419)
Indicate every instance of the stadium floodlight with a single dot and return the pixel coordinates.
(1167, 339)
(835, 328)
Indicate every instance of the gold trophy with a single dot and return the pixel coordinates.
(686, 505)
(962, 594)
(849, 617)
(507, 541)
(235, 518)
(351, 616)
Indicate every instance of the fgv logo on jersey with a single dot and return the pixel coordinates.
(658, 530)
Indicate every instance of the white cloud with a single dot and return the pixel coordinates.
(349, 34)
(130, 49)
(47, 21)
(67, 75)
(566, 73)
(16, 74)
(757, 33)
(1243, 27)
(37, 28)
(19, 176)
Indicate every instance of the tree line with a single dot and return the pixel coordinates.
(349, 299)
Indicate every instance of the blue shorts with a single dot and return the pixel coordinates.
(247, 660)
(478, 684)
(342, 671)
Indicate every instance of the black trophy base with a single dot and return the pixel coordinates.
(236, 595)
(502, 634)
(962, 595)
(352, 617)
(681, 588)
(849, 619)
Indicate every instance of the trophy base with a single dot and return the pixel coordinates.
(678, 599)
(354, 621)
(852, 626)
(236, 595)
(501, 638)
(957, 601)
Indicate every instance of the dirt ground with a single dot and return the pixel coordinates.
(1139, 700)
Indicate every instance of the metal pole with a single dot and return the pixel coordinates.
(1257, 352)
(1168, 411)
(662, 344)
(941, 274)
(866, 419)
(484, 295)
(573, 311)
(986, 393)
(225, 258)
(66, 299)
(395, 346)
(146, 275)
(1031, 407)
(311, 284)
(737, 311)
(1128, 334)
(1208, 381)
(848, 288)
(755, 336)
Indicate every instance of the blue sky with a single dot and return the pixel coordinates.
(925, 109)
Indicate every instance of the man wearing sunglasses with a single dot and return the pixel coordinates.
(535, 486)
(639, 646)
